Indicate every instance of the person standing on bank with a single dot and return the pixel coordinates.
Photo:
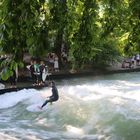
(32, 70)
(36, 72)
(13, 78)
(54, 97)
(56, 64)
(42, 69)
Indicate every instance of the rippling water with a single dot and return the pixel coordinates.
(91, 108)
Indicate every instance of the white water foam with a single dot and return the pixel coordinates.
(84, 93)
(10, 99)
(122, 96)
(113, 97)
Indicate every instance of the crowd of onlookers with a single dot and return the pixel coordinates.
(50, 65)
(53, 61)
(131, 62)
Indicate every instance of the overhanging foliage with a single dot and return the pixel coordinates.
(92, 30)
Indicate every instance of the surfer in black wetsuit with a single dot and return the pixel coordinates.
(54, 97)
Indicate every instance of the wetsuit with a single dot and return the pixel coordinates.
(54, 97)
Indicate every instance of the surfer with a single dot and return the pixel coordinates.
(54, 97)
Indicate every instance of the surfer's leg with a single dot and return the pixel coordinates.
(47, 101)
(44, 103)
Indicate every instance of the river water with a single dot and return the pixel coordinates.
(90, 108)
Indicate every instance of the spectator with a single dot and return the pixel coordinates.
(137, 59)
(13, 78)
(36, 72)
(64, 57)
(51, 61)
(41, 67)
(132, 61)
(56, 64)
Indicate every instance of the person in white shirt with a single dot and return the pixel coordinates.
(56, 63)
(137, 59)
(132, 61)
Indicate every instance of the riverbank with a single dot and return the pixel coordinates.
(25, 78)
(64, 74)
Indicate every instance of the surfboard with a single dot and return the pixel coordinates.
(28, 67)
(45, 73)
(35, 108)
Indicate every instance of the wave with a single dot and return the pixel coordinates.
(92, 109)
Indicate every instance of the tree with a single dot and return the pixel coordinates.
(57, 24)
(95, 31)
(134, 22)
(83, 37)
(21, 29)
